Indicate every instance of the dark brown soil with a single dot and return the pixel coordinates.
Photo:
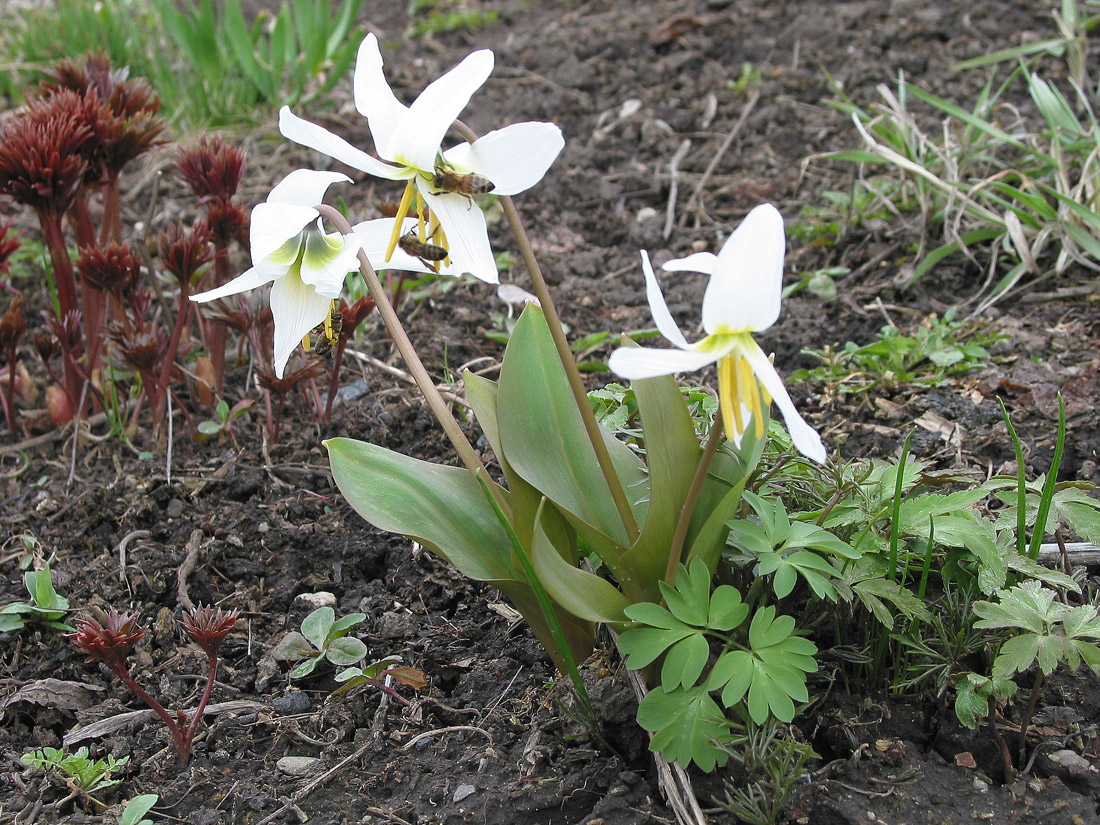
(487, 741)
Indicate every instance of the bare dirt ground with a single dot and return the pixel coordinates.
(630, 83)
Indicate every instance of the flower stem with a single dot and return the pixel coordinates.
(416, 367)
(676, 550)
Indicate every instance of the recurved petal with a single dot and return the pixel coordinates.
(467, 236)
(297, 308)
(257, 276)
(322, 140)
(705, 262)
(514, 158)
(666, 325)
(634, 363)
(805, 437)
(305, 187)
(327, 261)
(375, 238)
(373, 97)
(273, 224)
(746, 289)
(415, 140)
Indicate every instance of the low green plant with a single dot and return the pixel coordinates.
(225, 415)
(773, 762)
(1019, 191)
(86, 775)
(134, 811)
(938, 348)
(45, 604)
(432, 17)
(323, 638)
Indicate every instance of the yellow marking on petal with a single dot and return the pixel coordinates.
(751, 387)
(728, 397)
(399, 219)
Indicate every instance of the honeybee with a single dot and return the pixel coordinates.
(328, 333)
(425, 252)
(447, 180)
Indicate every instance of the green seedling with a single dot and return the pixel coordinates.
(225, 416)
(323, 637)
(45, 604)
(85, 775)
(375, 675)
(137, 808)
(773, 761)
(432, 17)
(936, 350)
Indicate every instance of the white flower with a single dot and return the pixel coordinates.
(307, 266)
(743, 297)
(408, 142)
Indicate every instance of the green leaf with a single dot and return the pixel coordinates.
(346, 651)
(136, 808)
(583, 594)
(672, 455)
(343, 625)
(443, 508)
(305, 668)
(316, 626)
(686, 724)
(291, 647)
(543, 436)
(1017, 655)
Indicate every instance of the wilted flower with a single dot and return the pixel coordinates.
(408, 142)
(306, 265)
(743, 297)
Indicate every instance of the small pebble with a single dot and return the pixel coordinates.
(463, 791)
(291, 703)
(298, 765)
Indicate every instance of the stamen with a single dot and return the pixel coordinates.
(305, 342)
(328, 321)
(728, 398)
(421, 208)
(399, 218)
(751, 388)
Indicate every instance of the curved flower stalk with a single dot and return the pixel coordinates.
(305, 266)
(743, 297)
(408, 142)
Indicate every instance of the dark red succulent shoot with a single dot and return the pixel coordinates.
(208, 627)
(308, 370)
(12, 329)
(9, 245)
(113, 270)
(112, 639)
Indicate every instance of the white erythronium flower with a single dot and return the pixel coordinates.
(374, 238)
(408, 142)
(307, 267)
(743, 297)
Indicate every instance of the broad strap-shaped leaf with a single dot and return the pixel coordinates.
(543, 438)
(583, 594)
(441, 507)
(672, 455)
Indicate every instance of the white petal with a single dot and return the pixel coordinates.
(467, 236)
(514, 158)
(666, 325)
(250, 279)
(705, 262)
(805, 437)
(273, 224)
(416, 139)
(322, 140)
(375, 239)
(297, 308)
(304, 187)
(634, 363)
(373, 97)
(328, 278)
(746, 289)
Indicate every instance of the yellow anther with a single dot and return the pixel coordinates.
(328, 321)
(729, 398)
(751, 388)
(399, 219)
